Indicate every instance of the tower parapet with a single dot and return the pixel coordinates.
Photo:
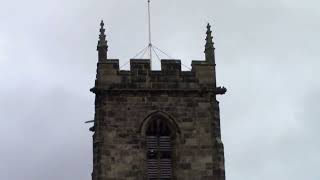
(140, 77)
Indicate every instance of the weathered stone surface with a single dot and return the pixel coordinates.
(125, 99)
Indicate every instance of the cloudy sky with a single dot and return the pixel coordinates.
(267, 56)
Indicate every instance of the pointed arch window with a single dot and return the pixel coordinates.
(159, 150)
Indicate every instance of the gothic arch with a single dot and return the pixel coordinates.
(163, 116)
(159, 132)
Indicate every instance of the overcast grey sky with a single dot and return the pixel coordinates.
(267, 56)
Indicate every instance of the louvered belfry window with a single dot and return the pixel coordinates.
(159, 151)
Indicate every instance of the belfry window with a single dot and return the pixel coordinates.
(159, 150)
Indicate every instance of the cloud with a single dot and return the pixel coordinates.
(267, 56)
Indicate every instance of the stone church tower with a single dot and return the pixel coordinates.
(157, 125)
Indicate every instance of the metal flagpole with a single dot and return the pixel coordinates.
(150, 48)
(149, 23)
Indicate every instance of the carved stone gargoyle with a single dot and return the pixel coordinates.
(221, 90)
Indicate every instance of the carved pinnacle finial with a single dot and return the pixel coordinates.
(102, 37)
(102, 46)
(208, 27)
(101, 23)
(209, 42)
(209, 48)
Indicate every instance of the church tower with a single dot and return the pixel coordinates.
(157, 125)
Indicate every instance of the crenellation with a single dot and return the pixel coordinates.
(140, 67)
(170, 67)
(205, 72)
(140, 76)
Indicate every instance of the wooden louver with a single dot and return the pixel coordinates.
(159, 149)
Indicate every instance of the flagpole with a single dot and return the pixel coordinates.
(149, 26)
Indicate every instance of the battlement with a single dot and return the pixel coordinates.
(142, 77)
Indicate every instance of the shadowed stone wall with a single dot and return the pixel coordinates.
(127, 100)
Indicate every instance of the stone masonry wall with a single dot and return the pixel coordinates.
(126, 100)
